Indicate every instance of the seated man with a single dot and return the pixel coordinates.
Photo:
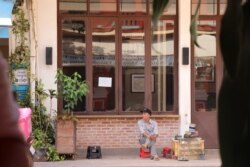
(148, 132)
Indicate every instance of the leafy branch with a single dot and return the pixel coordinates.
(71, 88)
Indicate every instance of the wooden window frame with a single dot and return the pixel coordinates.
(218, 59)
(118, 68)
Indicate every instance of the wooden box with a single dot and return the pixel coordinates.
(66, 137)
(189, 148)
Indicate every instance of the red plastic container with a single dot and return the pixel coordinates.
(144, 154)
(166, 152)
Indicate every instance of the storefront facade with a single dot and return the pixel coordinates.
(128, 65)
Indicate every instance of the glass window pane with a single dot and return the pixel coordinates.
(163, 66)
(223, 6)
(208, 7)
(73, 42)
(204, 64)
(103, 50)
(133, 6)
(103, 6)
(133, 62)
(73, 51)
(73, 6)
(169, 10)
(80, 107)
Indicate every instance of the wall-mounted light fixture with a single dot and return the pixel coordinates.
(185, 55)
(48, 55)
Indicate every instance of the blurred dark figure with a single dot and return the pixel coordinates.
(12, 145)
(30, 150)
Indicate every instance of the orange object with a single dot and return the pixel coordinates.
(144, 154)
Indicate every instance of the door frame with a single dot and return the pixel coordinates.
(210, 132)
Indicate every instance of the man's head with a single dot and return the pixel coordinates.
(146, 113)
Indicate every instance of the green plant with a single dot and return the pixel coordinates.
(52, 94)
(25, 102)
(43, 123)
(52, 155)
(20, 57)
(20, 27)
(41, 139)
(72, 89)
(40, 109)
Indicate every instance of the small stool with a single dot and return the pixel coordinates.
(94, 152)
(166, 152)
(144, 154)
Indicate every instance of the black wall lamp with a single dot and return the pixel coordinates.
(48, 56)
(185, 55)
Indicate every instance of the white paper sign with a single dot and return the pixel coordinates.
(105, 82)
(21, 77)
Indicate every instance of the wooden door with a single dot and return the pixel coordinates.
(206, 78)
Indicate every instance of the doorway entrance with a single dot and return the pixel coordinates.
(206, 77)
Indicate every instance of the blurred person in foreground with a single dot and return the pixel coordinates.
(12, 144)
(148, 133)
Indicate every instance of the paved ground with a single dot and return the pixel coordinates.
(211, 160)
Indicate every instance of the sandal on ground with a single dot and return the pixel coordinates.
(155, 158)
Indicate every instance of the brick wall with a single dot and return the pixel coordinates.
(120, 132)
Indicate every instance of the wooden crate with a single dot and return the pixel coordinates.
(189, 148)
(66, 137)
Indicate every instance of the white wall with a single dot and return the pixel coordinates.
(46, 26)
(184, 70)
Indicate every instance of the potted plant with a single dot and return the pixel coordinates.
(71, 89)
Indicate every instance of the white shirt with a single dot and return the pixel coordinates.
(149, 127)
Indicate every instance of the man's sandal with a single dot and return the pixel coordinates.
(155, 158)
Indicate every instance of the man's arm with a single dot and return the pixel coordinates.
(156, 132)
(141, 128)
(153, 137)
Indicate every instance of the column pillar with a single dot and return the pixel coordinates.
(184, 70)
